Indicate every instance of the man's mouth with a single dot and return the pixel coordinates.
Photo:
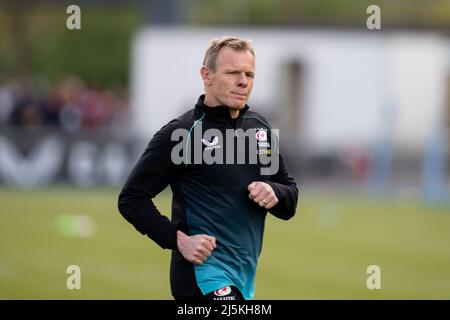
(240, 95)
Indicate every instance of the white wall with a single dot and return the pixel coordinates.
(351, 77)
(418, 70)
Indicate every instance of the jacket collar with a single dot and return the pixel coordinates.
(219, 112)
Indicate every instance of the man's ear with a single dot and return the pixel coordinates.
(206, 75)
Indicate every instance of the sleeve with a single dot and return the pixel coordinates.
(285, 188)
(152, 174)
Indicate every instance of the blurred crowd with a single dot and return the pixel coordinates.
(69, 104)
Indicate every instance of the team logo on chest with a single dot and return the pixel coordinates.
(263, 144)
(261, 135)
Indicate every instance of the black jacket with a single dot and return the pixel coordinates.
(207, 198)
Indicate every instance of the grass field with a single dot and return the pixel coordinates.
(322, 253)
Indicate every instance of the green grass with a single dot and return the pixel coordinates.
(322, 253)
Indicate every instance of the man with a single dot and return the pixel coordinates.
(219, 208)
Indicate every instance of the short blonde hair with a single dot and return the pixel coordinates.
(215, 45)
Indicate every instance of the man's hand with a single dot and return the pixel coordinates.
(195, 249)
(263, 194)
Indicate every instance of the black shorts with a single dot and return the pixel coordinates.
(226, 293)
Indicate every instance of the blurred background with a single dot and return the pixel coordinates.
(364, 119)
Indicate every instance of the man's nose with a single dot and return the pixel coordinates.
(243, 81)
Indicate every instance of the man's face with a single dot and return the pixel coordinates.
(232, 82)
